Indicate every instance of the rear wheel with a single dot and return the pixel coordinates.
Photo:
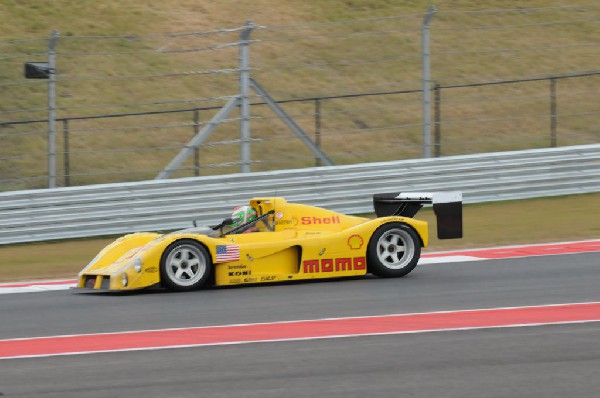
(185, 265)
(394, 250)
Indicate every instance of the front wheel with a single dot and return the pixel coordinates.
(394, 250)
(185, 265)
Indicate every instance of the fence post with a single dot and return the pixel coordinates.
(553, 116)
(318, 129)
(426, 82)
(197, 149)
(244, 97)
(437, 132)
(66, 160)
(52, 109)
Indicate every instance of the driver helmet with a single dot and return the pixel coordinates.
(242, 215)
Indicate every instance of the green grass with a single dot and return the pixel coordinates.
(491, 224)
(292, 62)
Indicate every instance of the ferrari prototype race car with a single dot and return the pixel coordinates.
(291, 242)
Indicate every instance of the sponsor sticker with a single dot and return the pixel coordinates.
(320, 220)
(292, 221)
(334, 264)
(355, 242)
(240, 273)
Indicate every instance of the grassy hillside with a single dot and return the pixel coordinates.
(302, 49)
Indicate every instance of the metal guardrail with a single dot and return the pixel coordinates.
(113, 209)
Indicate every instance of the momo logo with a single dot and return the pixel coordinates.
(320, 220)
(334, 264)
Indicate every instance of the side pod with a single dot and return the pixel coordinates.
(447, 207)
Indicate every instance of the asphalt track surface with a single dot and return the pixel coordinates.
(549, 360)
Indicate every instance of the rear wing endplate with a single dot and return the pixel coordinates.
(447, 207)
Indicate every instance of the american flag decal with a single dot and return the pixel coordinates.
(226, 253)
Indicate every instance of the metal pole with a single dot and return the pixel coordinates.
(66, 155)
(290, 123)
(318, 129)
(426, 82)
(52, 109)
(437, 132)
(244, 97)
(197, 149)
(553, 116)
(203, 134)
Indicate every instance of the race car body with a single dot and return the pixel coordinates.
(291, 242)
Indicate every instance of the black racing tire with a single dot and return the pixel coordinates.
(185, 265)
(393, 251)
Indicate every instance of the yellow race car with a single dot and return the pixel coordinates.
(290, 242)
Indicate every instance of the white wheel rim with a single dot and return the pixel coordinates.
(185, 265)
(395, 249)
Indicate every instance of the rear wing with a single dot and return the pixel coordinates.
(447, 207)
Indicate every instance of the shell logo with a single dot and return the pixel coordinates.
(355, 242)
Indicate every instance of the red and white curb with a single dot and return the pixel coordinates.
(508, 317)
(426, 258)
(36, 286)
(545, 249)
